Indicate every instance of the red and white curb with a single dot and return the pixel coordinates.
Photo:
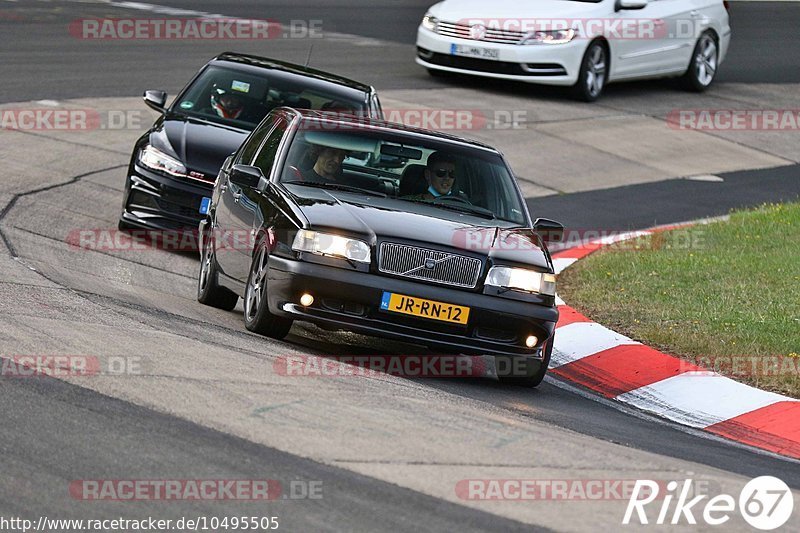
(627, 371)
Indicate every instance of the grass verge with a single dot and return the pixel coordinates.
(725, 295)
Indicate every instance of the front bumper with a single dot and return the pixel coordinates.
(348, 299)
(542, 64)
(154, 201)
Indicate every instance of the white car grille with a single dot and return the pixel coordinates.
(479, 33)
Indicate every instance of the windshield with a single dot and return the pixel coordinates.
(449, 175)
(243, 99)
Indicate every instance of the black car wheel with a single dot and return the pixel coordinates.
(524, 372)
(257, 317)
(703, 67)
(124, 226)
(593, 74)
(209, 291)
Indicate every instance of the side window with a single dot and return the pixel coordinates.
(266, 157)
(251, 145)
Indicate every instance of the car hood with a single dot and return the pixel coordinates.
(387, 219)
(201, 146)
(511, 10)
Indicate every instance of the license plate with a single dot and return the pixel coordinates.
(409, 305)
(474, 51)
(205, 204)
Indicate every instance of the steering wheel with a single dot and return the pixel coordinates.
(448, 199)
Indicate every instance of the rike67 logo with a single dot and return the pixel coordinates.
(766, 503)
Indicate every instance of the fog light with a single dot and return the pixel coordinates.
(306, 300)
(531, 341)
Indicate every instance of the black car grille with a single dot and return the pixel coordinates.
(442, 267)
(490, 35)
(490, 66)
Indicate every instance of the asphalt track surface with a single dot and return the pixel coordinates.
(57, 432)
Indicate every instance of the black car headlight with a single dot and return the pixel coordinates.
(521, 279)
(328, 244)
(155, 159)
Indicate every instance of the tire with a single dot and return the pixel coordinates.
(124, 226)
(257, 317)
(435, 73)
(703, 66)
(532, 378)
(209, 291)
(593, 74)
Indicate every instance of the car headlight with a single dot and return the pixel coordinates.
(430, 22)
(155, 159)
(550, 37)
(521, 279)
(333, 245)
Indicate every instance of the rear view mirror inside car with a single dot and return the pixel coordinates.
(401, 151)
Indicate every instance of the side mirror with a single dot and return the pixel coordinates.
(156, 100)
(245, 176)
(630, 4)
(549, 230)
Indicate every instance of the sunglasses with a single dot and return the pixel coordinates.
(442, 172)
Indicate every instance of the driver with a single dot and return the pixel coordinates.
(226, 104)
(440, 174)
(327, 164)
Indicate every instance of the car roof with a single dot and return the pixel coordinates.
(359, 122)
(287, 71)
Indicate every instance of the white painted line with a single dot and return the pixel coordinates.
(559, 301)
(699, 400)
(706, 177)
(49, 103)
(582, 339)
(562, 263)
(622, 237)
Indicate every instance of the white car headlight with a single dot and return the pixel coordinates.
(550, 37)
(429, 22)
(333, 245)
(155, 159)
(521, 279)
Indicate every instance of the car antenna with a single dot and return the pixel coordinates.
(308, 59)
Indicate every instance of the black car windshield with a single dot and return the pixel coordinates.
(243, 99)
(414, 168)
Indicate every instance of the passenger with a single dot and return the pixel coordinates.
(440, 174)
(327, 164)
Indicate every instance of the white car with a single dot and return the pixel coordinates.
(580, 44)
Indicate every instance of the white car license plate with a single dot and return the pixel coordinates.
(474, 51)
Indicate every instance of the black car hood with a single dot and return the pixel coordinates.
(201, 146)
(386, 218)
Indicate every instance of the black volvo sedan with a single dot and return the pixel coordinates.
(174, 164)
(372, 227)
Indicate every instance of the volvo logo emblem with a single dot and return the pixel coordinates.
(430, 263)
(477, 32)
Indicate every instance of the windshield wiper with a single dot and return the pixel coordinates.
(461, 208)
(335, 186)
